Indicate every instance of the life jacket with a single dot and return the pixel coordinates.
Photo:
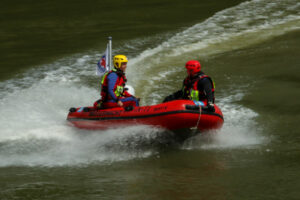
(118, 88)
(190, 88)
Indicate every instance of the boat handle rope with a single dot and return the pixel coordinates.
(200, 110)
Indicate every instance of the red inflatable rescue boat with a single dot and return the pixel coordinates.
(173, 115)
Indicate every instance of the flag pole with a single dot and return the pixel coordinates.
(110, 51)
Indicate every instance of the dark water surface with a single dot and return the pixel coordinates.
(34, 33)
(48, 53)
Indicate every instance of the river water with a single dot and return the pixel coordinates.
(48, 54)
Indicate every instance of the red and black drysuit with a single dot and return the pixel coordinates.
(112, 91)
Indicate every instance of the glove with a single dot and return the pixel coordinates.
(137, 98)
(98, 104)
(210, 107)
(168, 98)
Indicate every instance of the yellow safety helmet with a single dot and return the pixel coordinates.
(118, 60)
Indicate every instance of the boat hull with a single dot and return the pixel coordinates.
(174, 115)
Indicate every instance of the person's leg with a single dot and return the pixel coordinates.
(130, 101)
(109, 105)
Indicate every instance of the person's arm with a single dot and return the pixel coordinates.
(176, 95)
(112, 79)
(207, 88)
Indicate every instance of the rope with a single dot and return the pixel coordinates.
(200, 110)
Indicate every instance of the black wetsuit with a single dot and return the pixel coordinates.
(204, 86)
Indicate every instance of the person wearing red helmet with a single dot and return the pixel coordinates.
(196, 86)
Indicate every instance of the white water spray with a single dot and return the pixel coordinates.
(34, 106)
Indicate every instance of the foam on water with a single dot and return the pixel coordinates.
(34, 130)
(33, 106)
(77, 147)
(239, 131)
(246, 24)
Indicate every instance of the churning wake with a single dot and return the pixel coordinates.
(241, 26)
(34, 104)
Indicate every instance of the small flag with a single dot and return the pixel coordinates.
(102, 65)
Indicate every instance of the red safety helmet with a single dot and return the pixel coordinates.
(193, 67)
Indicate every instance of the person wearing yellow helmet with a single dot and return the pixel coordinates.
(119, 61)
(113, 93)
